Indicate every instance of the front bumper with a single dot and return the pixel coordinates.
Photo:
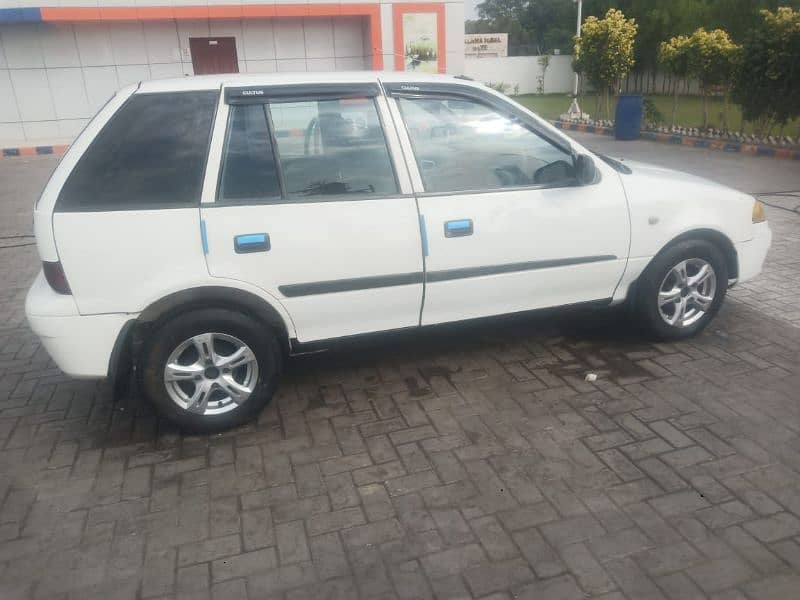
(81, 345)
(751, 254)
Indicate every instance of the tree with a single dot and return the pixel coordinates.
(544, 62)
(712, 61)
(533, 26)
(674, 57)
(768, 79)
(604, 51)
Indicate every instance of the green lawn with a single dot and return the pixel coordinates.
(690, 110)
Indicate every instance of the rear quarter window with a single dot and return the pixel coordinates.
(151, 154)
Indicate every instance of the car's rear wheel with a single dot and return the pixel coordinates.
(210, 369)
(682, 289)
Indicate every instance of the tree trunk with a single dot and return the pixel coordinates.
(675, 104)
(705, 110)
(725, 111)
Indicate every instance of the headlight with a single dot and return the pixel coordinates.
(758, 213)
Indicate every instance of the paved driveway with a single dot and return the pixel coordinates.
(457, 463)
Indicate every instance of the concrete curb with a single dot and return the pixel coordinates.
(692, 142)
(13, 152)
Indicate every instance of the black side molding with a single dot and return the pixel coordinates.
(348, 285)
(294, 290)
(465, 273)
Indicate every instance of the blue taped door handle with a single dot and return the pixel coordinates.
(458, 228)
(251, 242)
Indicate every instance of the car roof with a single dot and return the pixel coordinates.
(211, 82)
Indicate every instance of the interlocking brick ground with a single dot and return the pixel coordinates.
(461, 462)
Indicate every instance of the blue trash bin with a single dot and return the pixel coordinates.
(628, 117)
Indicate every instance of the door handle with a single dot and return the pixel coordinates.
(458, 228)
(251, 242)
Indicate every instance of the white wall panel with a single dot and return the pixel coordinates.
(3, 63)
(101, 84)
(33, 94)
(348, 37)
(94, 44)
(161, 41)
(8, 101)
(387, 36)
(11, 133)
(127, 43)
(352, 63)
(522, 71)
(43, 131)
(289, 41)
(321, 64)
(70, 128)
(59, 46)
(318, 38)
(261, 66)
(287, 65)
(69, 93)
(22, 45)
(259, 40)
(166, 70)
(128, 74)
(79, 3)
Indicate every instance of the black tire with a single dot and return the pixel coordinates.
(649, 283)
(167, 336)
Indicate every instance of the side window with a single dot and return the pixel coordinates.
(151, 154)
(332, 147)
(464, 145)
(249, 172)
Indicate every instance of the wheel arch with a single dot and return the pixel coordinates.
(713, 236)
(130, 339)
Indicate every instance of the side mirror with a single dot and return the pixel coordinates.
(585, 171)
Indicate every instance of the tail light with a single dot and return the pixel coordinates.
(54, 273)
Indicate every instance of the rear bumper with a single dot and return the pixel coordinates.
(81, 345)
(751, 254)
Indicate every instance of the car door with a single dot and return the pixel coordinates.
(507, 226)
(304, 200)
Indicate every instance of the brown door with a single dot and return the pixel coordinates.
(214, 55)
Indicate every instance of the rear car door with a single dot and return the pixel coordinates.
(126, 220)
(304, 199)
(508, 228)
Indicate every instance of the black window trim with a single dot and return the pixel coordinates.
(445, 91)
(254, 201)
(300, 92)
(142, 206)
(305, 93)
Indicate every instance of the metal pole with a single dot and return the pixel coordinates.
(574, 109)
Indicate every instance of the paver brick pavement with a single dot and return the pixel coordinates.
(469, 461)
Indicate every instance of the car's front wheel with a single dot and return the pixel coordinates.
(210, 369)
(682, 289)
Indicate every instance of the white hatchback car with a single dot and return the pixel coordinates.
(200, 229)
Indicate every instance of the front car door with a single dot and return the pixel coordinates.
(306, 201)
(507, 227)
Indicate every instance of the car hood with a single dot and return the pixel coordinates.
(654, 172)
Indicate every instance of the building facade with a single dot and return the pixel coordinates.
(62, 59)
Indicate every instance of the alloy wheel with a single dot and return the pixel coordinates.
(687, 292)
(211, 373)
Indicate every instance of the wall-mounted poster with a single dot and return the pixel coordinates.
(420, 43)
